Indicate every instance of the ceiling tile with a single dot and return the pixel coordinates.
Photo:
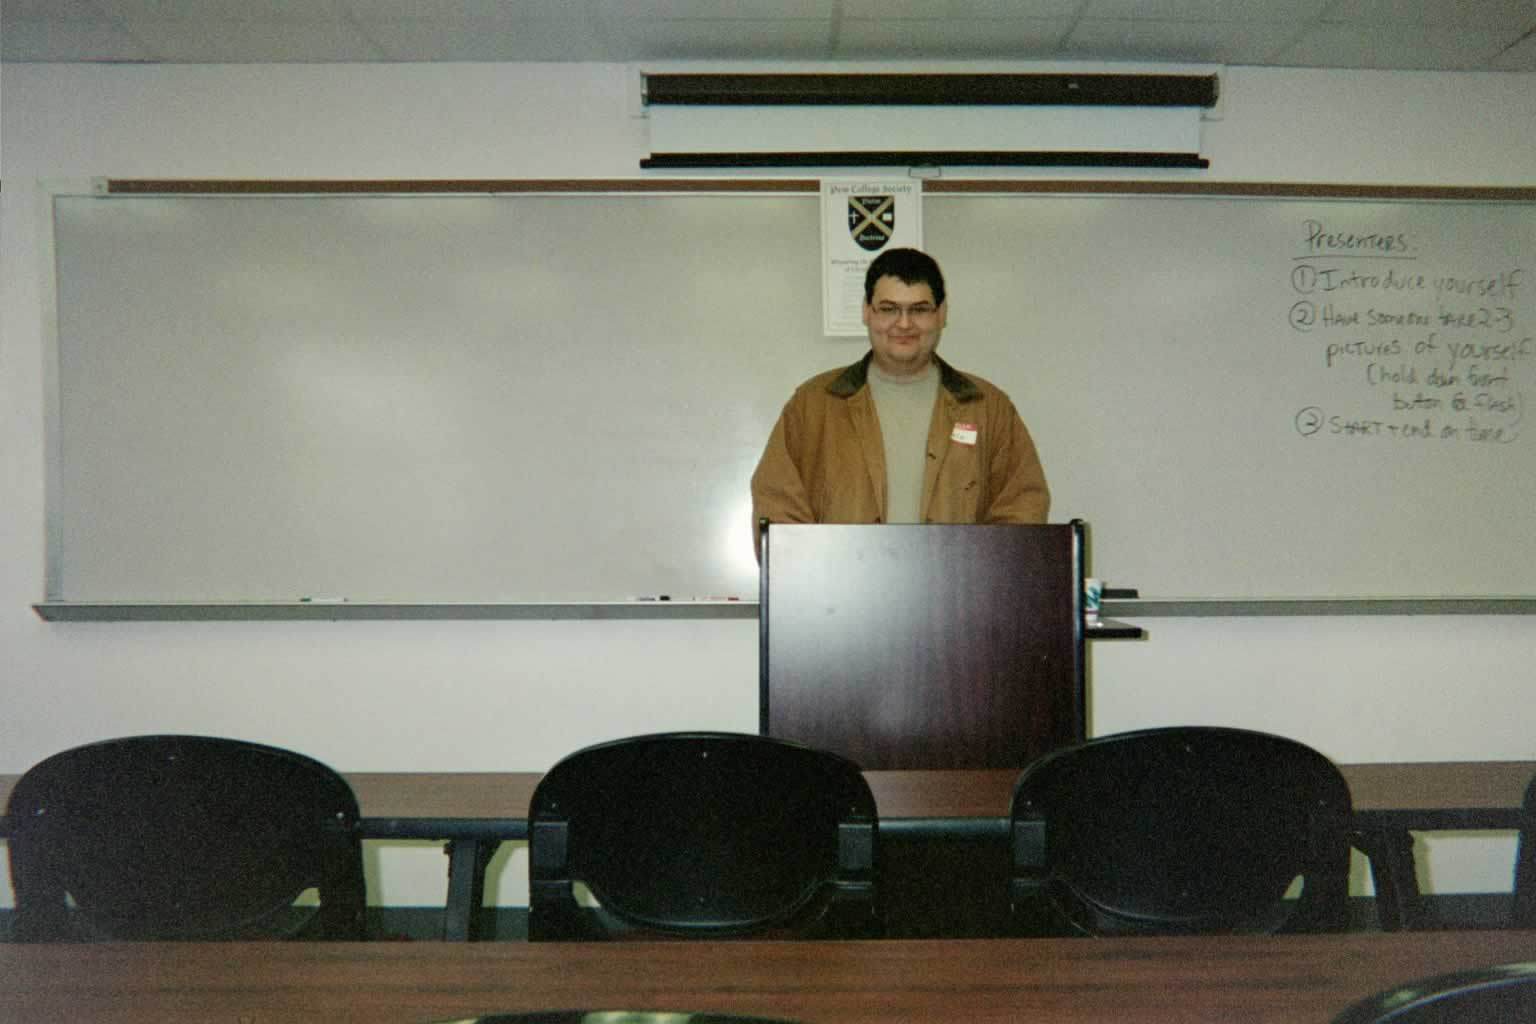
(1291, 11)
(36, 10)
(26, 40)
(462, 10)
(484, 39)
(1519, 57)
(130, 11)
(1185, 41)
(211, 41)
(1399, 47)
(1470, 15)
(949, 10)
(1418, 34)
(633, 39)
(1022, 39)
(714, 10)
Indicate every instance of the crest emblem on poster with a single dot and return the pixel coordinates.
(871, 220)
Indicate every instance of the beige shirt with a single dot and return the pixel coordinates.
(904, 409)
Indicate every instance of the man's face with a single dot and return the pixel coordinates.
(904, 325)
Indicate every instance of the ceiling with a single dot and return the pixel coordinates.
(1450, 35)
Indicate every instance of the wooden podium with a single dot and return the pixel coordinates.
(923, 646)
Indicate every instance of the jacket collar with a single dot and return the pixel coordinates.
(847, 383)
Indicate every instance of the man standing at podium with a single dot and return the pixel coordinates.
(900, 436)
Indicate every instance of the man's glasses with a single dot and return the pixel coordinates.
(890, 312)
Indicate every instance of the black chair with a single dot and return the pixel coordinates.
(1525, 864)
(703, 835)
(183, 837)
(1491, 995)
(1180, 830)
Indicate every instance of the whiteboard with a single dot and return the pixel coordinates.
(561, 396)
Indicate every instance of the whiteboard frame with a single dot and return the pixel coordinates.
(53, 610)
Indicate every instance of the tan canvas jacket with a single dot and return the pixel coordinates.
(825, 462)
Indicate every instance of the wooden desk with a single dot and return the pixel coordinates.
(1433, 795)
(1423, 796)
(475, 811)
(1285, 980)
(1393, 800)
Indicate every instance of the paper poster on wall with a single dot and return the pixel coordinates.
(860, 219)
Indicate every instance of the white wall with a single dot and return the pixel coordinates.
(517, 695)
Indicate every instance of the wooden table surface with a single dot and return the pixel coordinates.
(1410, 786)
(1284, 980)
(1425, 789)
(1406, 786)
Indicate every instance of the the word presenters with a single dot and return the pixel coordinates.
(1416, 340)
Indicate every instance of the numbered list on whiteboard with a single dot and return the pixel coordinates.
(1419, 337)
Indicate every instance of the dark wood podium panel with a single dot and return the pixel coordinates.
(924, 646)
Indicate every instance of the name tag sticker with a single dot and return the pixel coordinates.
(964, 433)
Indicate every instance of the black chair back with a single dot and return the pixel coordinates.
(183, 837)
(1192, 829)
(1525, 864)
(1491, 995)
(702, 834)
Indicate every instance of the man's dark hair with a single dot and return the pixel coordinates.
(909, 266)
